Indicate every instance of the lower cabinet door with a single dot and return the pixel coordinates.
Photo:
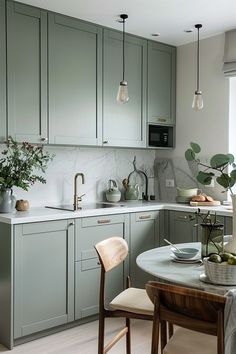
(144, 235)
(43, 276)
(87, 281)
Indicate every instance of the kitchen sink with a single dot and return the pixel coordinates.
(84, 206)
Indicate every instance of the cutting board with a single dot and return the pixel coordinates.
(214, 203)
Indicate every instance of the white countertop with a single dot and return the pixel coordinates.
(46, 214)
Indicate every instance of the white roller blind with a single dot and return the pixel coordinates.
(229, 66)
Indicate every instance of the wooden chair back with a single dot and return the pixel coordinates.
(112, 252)
(189, 308)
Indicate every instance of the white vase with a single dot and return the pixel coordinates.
(231, 245)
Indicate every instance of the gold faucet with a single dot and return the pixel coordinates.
(76, 198)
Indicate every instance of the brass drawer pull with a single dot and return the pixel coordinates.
(182, 217)
(143, 217)
(105, 221)
(162, 119)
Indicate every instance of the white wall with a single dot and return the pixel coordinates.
(209, 127)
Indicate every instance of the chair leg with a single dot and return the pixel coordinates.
(101, 329)
(163, 335)
(155, 336)
(128, 337)
(170, 329)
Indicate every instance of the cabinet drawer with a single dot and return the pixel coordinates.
(90, 231)
(46, 226)
(182, 216)
(146, 215)
(90, 264)
(102, 220)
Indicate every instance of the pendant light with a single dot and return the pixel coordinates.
(197, 99)
(123, 95)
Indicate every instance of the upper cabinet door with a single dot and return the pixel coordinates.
(124, 124)
(161, 83)
(27, 72)
(74, 81)
(2, 72)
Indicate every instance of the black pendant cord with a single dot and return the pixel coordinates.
(198, 60)
(123, 49)
(198, 26)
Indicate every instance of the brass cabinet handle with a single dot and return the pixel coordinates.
(105, 142)
(162, 119)
(72, 223)
(182, 217)
(143, 217)
(104, 221)
(44, 139)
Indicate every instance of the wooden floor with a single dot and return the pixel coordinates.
(83, 340)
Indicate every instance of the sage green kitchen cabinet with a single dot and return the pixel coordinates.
(26, 73)
(161, 83)
(124, 124)
(90, 231)
(228, 225)
(43, 276)
(2, 72)
(75, 67)
(144, 235)
(182, 227)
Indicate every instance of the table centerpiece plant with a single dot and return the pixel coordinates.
(19, 164)
(217, 168)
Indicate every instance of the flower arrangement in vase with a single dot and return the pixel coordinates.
(218, 169)
(18, 166)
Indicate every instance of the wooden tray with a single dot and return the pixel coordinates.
(214, 203)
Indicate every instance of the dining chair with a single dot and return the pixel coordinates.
(199, 315)
(130, 303)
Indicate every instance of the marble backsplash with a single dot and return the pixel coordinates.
(97, 164)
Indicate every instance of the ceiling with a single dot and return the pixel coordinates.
(168, 17)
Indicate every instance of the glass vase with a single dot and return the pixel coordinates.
(212, 239)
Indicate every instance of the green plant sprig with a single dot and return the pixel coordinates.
(19, 163)
(217, 168)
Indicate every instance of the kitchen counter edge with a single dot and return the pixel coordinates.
(44, 214)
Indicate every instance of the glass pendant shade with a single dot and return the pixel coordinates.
(122, 95)
(197, 101)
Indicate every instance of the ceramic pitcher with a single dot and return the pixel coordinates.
(7, 201)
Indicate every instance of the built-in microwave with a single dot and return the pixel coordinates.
(160, 136)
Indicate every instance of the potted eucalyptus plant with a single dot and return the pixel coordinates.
(217, 168)
(19, 164)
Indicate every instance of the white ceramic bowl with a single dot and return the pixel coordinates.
(220, 273)
(187, 192)
(188, 253)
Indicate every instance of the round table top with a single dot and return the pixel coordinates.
(159, 263)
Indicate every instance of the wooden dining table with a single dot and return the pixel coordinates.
(160, 263)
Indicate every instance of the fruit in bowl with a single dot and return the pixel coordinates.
(221, 268)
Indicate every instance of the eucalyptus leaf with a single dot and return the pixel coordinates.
(219, 160)
(189, 155)
(231, 158)
(225, 180)
(195, 147)
(233, 175)
(204, 177)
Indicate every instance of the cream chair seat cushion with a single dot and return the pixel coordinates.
(185, 341)
(133, 300)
